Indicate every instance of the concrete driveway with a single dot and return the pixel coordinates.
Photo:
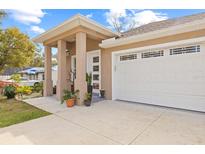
(107, 122)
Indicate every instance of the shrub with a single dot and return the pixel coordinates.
(9, 91)
(16, 78)
(27, 90)
(38, 87)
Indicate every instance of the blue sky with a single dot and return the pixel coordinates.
(34, 22)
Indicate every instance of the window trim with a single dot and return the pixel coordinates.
(95, 57)
(152, 54)
(185, 50)
(128, 57)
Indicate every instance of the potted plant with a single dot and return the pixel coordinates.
(89, 83)
(87, 100)
(102, 93)
(69, 97)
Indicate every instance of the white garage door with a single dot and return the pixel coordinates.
(173, 77)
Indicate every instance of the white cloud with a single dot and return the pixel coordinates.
(37, 29)
(128, 18)
(116, 13)
(89, 15)
(28, 16)
(147, 16)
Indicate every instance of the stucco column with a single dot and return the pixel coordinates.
(48, 88)
(61, 81)
(80, 82)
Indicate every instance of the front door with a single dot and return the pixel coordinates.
(93, 67)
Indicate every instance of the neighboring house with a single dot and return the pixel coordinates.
(6, 75)
(161, 63)
(33, 73)
(36, 74)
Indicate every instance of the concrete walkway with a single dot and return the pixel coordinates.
(107, 122)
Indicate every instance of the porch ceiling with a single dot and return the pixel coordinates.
(68, 29)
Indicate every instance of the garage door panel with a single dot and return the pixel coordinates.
(180, 101)
(159, 99)
(169, 80)
(177, 81)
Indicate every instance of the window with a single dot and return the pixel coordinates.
(95, 77)
(183, 50)
(152, 54)
(95, 68)
(95, 85)
(96, 59)
(128, 57)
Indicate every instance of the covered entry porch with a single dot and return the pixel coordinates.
(74, 39)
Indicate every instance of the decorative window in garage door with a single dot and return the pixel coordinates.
(183, 50)
(152, 54)
(128, 57)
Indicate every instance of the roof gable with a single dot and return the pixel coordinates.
(75, 21)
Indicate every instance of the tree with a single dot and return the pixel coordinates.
(122, 19)
(2, 15)
(38, 60)
(16, 50)
(54, 59)
(38, 57)
(54, 62)
(120, 24)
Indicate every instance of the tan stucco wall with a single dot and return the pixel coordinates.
(90, 45)
(106, 55)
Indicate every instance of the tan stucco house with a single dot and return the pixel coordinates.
(161, 63)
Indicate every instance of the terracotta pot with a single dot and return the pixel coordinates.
(70, 102)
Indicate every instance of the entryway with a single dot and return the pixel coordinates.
(93, 67)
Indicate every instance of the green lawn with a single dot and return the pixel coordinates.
(13, 112)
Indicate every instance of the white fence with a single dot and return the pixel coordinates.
(4, 77)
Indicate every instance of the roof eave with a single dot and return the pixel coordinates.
(77, 20)
(154, 34)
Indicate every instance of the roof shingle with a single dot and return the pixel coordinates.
(163, 24)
